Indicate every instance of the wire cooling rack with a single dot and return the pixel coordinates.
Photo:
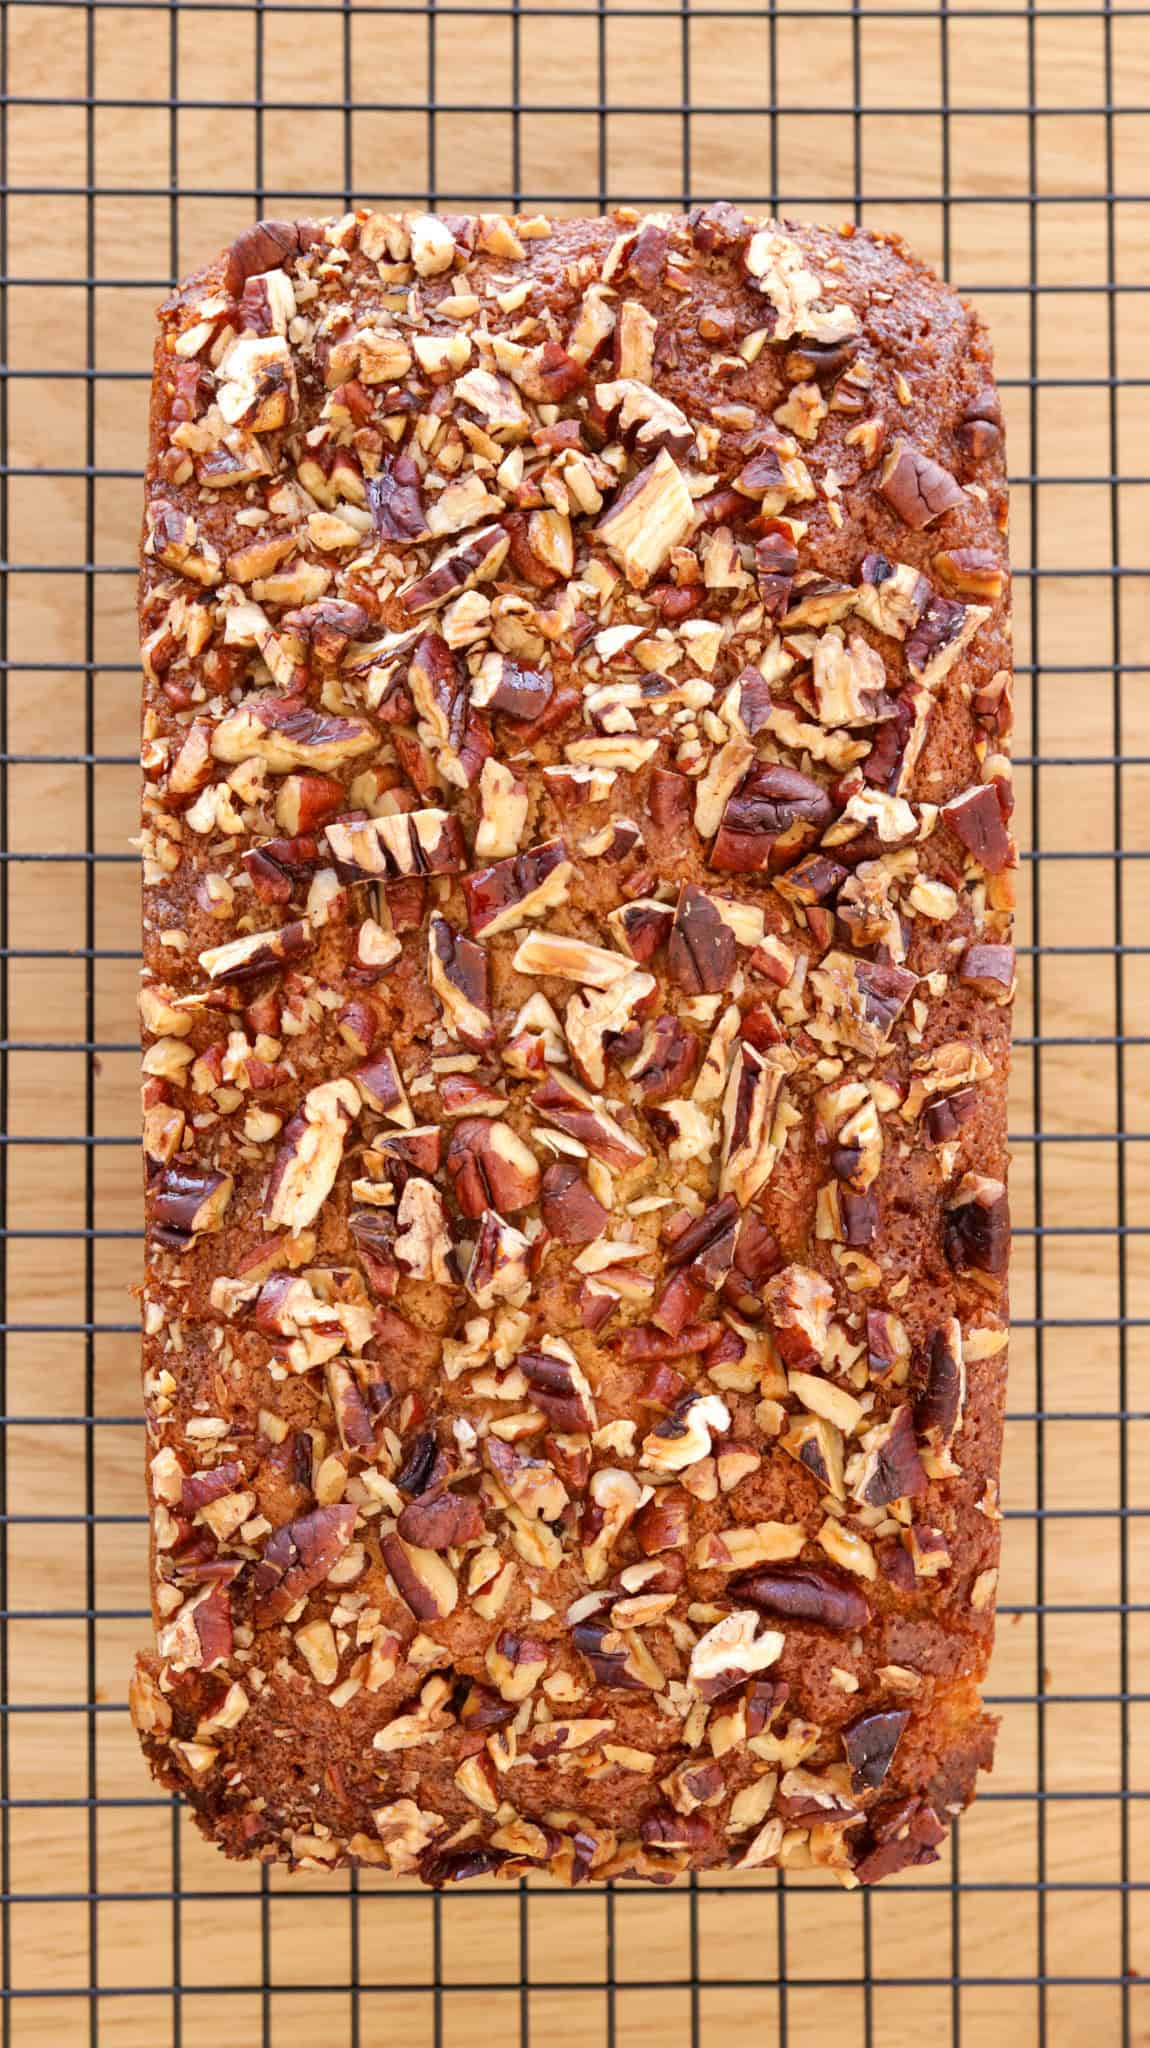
(1011, 145)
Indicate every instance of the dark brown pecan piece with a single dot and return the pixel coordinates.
(439, 1521)
(977, 817)
(664, 1524)
(893, 1469)
(944, 1119)
(719, 226)
(477, 558)
(772, 816)
(188, 1201)
(666, 1060)
(201, 1487)
(268, 245)
(372, 1232)
(706, 1244)
(645, 925)
(647, 258)
(279, 867)
(395, 499)
(438, 1867)
(989, 969)
(490, 1167)
(520, 693)
(885, 993)
(459, 976)
(869, 1745)
(560, 1389)
(701, 951)
(571, 1213)
(976, 1231)
(979, 432)
(757, 1258)
(482, 1709)
(424, 1583)
(804, 1593)
(514, 890)
(607, 1653)
(776, 562)
(938, 1408)
(671, 797)
(918, 488)
(296, 1559)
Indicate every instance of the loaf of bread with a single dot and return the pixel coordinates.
(577, 980)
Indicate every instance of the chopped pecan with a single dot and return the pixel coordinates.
(804, 1593)
(869, 1745)
(651, 515)
(189, 1201)
(891, 1467)
(559, 1386)
(296, 1559)
(309, 1156)
(572, 1108)
(702, 952)
(731, 1652)
(490, 1167)
(458, 975)
(750, 1144)
(287, 733)
(666, 1060)
(517, 890)
(423, 1581)
(918, 488)
(978, 818)
(571, 1213)
(976, 1228)
(773, 815)
(498, 1268)
(441, 1521)
(395, 498)
(257, 953)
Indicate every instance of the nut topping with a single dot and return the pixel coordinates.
(578, 879)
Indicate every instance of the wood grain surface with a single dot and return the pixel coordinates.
(1029, 195)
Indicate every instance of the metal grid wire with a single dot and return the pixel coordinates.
(1010, 144)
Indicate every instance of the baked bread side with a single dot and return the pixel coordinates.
(577, 971)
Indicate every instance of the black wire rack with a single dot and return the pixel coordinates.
(1010, 144)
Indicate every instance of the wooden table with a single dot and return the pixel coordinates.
(1024, 95)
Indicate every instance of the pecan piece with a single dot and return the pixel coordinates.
(287, 733)
(559, 1386)
(514, 891)
(188, 1202)
(773, 815)
(296, 1559)
(666, 1060)
(440, 1521)
(976, 1230)
(395, 498)
(869, 1745)
(309, 1156)
(804, 1593)
(977, 817)
(458, 975)
(919, 489)
(490, 1167)
(571, 1213)
(423, 1581)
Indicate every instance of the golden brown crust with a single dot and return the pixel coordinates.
(576, 1009)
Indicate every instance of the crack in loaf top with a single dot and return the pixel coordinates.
(577, 968)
